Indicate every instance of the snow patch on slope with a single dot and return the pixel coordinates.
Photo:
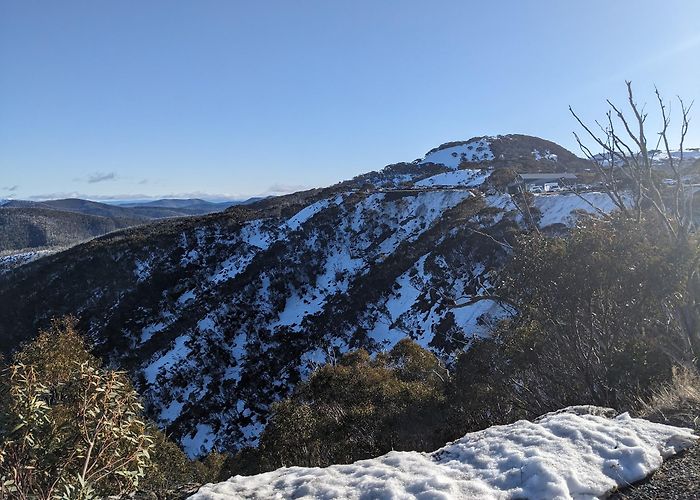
(178, 351)
(562, 208)
(333, 279)
(547, 155)
(142, 270)
(8, 262)
(306, 213)
(457, 178)
(688, 154)
(407, 218)
(412, 310)
(418, 214)
(200, 439)
(406, 291)
(474, 151)
(256, 237)
(561, 455)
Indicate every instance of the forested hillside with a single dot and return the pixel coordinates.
(36, 225)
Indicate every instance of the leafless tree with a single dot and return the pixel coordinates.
(628, 166)
(631, 170)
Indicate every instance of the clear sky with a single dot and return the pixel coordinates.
(132, 97)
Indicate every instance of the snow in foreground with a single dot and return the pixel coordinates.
(573, 453)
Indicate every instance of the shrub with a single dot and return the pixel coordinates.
(170, 468)
(676, 402)
(359, 408)
(595, 321)
(478, 397)
(502, 177)
(68, 428)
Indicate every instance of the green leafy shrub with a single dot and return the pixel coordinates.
(68, 428)
(356, 409)
(170, 468)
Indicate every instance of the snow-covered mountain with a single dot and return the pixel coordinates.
(688, 154)
(218, 316)
(686, 161)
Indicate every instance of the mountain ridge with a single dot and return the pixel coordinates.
(218, 316)
(48, 224)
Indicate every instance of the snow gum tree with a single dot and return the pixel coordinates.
(68, 428)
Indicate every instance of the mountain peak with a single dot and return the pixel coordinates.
(520, 151)
(452, 154)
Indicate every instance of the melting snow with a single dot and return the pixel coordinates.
(254, 233)
(422, 211)
(177, 352)
(186, 297)
(190, 257)
(7, 262)
(569, 454)
(172, 411)
(208, 323)
(407, 289)
(257, 238)
(148, 331)
(232, 267)
(402, 304)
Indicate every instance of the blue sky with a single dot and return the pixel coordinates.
(160, 98)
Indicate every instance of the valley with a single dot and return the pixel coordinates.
(49, 226)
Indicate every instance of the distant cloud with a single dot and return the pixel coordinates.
(276, 189)
(10, 188)
(279, 188)
(101, 177)
(138, 196)
(57, 196)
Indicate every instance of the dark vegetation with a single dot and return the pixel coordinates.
(108, 260)
(157, 209)
(358, 408)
